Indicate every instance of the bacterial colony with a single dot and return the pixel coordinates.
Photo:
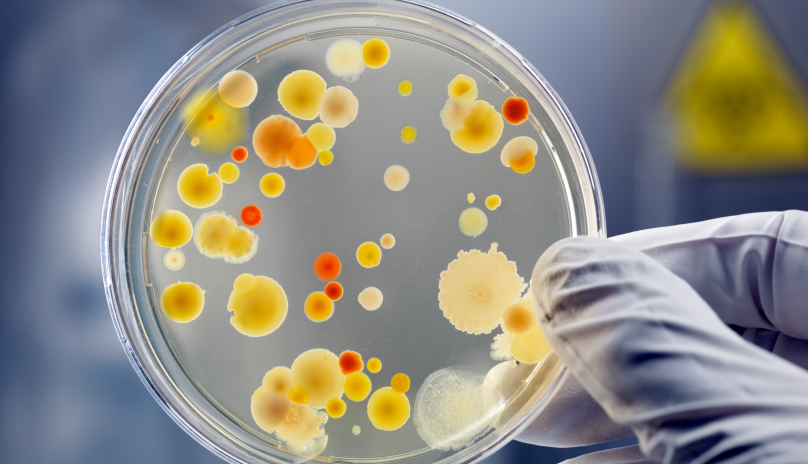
(478, 292)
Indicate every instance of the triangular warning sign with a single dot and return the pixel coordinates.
(736, 104)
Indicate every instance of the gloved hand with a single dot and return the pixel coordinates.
(693, 337)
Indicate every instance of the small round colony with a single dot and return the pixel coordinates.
(213, 126)
(238, 89)
(369, 255)
(251, 215)
(376, 53)
(197, 188)
(357, 386)
(472, 222)
(239, 154)
(396, 177)
(317, 371)
(518, 318)
(183, 301)
(272, 185)
(454, 114)
(336, 408)
(344, 59)
(448, 412)
(388, 410)
(519, 154)
(493, 202)
(318, 307)
(405, 88)
(278, 380)
(325, 157)
(374, 365)
(515, 110)
(327, 266)
(350, 362)
(301, 93)
(477, 288)
(409, 134)
(339, 107)
(217, 235)
(171, 229)
(470, 197)
(273, 139)
(481, 129)
(371, 298)
(174, 260)
(387, 241)
(400, 383)
(299, 396)
(228, 172)
(463, 89)
(258, 304)
(333, 290)
(322, 136)
(302, 154)
(356, 430)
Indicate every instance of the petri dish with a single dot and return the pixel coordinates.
(204, 372)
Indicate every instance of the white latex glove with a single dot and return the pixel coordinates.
(649, 325)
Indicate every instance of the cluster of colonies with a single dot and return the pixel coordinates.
(295, 403)
(478, 291)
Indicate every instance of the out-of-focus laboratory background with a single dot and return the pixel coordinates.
(692, 110)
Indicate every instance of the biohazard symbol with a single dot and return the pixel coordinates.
(736, 104)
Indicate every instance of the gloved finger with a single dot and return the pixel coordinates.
(751, 269)
(625, 455)
(572, 418)
(656, 357)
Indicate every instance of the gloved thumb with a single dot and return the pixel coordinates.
(656, 357)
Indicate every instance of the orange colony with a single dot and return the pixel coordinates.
(400, 383)
(273, 139)
(388, 409)
(301, 93)
(299, 396)
(339, 107)
(318, 307)
(217, 235)
(239, 154)
(350, 362)
(518, 318)
(387, 241)
(333, 290)
(515, 110)
(327, 266)
(519, 154)
(302, 154)
(477, 288)
(171, 229)
(344, 59)
(272, 185)
(335, 408)
(317, 371)
(463, 89)
(238, 89)
(183, 301)
(368, 255)
(213, 126)
(198, 188)
(376, 53)
(493, 202)
(481, 129)
(251, 215)
(530, 346)
(258, 304)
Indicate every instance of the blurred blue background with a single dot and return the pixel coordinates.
(74, 73)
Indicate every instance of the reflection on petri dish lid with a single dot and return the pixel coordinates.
(259, 363)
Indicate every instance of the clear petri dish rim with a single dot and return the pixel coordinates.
(131, 187)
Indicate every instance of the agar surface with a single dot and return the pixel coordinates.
(258, 304)
(477, 288)
(183, 301)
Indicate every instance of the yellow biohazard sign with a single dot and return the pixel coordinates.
(736, 104)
